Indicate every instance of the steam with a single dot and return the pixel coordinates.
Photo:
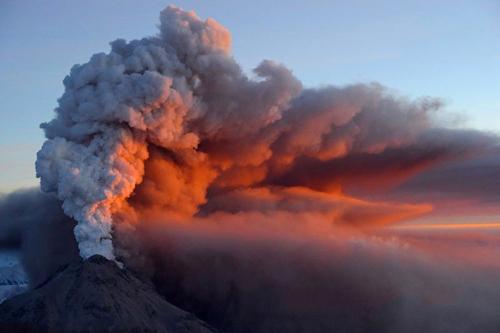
(171, 125)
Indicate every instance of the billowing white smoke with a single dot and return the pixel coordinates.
(95, 152)
(142, 92)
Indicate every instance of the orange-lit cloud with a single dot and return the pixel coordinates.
(171, 126)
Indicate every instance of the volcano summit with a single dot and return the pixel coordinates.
(95, 295)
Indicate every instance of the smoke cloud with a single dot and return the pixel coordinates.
(171, 122)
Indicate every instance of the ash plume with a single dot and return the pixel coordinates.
(172, 124)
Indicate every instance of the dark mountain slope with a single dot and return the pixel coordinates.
(95, 295)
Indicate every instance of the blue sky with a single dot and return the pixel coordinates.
(443, 48)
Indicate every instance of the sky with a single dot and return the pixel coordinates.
(446, 49)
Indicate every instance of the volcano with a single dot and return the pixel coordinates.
(95, 295)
